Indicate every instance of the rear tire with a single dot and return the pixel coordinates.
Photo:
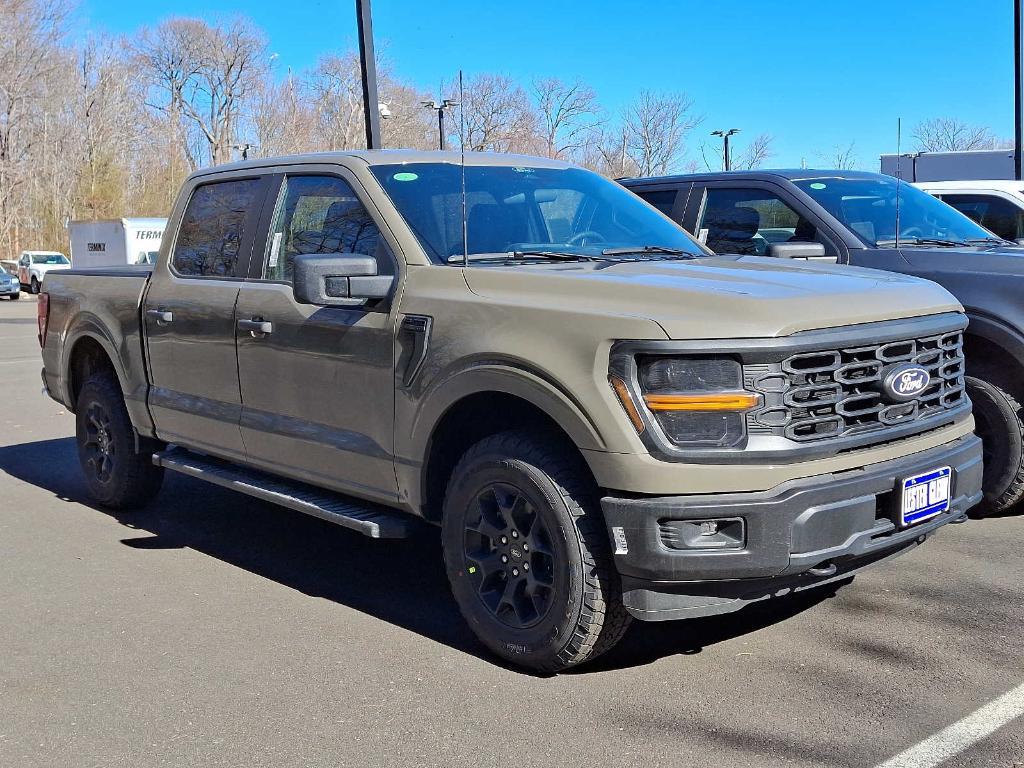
(527, 553)
(117, 476)
(34, 285)
(998, 418)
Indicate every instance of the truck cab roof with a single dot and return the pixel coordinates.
(761, 174)
(372, 157)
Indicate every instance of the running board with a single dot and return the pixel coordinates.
(369, 519)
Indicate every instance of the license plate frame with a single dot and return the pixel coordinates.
(924, 496)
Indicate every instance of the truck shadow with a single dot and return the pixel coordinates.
(400, 582)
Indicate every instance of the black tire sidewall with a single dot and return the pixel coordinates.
(34, 286)
(103, 392)
(539, 645)
(1003, 438)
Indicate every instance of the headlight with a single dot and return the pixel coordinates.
(698, 402)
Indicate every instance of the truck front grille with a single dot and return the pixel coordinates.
(834, 393)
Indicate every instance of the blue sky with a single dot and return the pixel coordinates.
(814, 74)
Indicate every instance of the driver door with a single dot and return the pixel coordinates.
(318, 386)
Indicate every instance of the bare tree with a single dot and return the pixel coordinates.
(497, 115)
(205, 74)
(655, 128)
(841, 158)
(567, 115)
(948, 134)
(756, 153)
(29, 56)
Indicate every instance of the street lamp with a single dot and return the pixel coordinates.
(725, 141)
(439, 108)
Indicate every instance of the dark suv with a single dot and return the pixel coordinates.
(870, 220)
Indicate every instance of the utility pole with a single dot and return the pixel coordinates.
(439, 108)
(368, 68)
(726, 159)
(1018, 91)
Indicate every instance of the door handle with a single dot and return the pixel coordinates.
(162, 316)
(256, 327)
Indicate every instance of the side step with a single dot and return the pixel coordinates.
(369, 519)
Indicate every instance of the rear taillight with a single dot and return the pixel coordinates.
(43, 316)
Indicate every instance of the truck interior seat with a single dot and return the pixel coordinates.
(732, 230)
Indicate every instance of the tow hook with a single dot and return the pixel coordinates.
(825, 569)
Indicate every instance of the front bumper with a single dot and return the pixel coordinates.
(10, 289)
(801, 534)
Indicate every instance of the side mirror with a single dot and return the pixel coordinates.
(796, 251)
(1019, 241)
(338, 280)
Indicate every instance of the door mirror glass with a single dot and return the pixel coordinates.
(338, 280)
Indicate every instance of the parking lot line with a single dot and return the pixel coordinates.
(961, 735)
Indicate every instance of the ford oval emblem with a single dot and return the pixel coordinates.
(904, 382)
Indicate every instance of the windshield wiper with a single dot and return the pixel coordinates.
(922, 241)
(991, 240)
(661, 249)
(516, 255)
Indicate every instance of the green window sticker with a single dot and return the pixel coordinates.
(406, 176)
(817, 185)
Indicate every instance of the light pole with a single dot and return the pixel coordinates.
(368, 67)
(439, 108)
(725, 148)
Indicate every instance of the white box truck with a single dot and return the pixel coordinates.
(115, 242)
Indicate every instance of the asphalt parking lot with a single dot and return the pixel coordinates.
(212, 629)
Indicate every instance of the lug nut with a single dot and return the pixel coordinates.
(504, 539)
(504, 558)
(526, 566)
(515, 534)
(526, 547)
(515, 571)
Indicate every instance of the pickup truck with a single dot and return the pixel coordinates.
(605, 420)
(851, 217)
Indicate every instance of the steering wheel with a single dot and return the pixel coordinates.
(579, 237)
(912, 232)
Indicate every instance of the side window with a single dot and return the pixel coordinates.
(317, 214)
(747, 221)
(210, 236)
(995, 214)
(662, 199)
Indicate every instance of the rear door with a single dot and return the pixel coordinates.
(189, 316)
(318, 388)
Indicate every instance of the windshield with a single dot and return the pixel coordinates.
(868, 207)
(521, 209)
(49, 258)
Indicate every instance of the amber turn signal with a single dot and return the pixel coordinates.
(706, 401)
(627, 402)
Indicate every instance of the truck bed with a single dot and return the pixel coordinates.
(99, 305)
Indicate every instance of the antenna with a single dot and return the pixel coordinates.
(899, 176)
(462, 163)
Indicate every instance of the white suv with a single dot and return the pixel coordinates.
(998, 205)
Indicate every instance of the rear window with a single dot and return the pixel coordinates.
(209, 240)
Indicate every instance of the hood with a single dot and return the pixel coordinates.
(1004, 259)
(717, 297)
(44, 268)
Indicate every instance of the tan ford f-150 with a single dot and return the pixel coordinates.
(606, 420)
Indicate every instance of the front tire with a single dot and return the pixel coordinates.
(15, 296)
(998, 419)
(34, 285)
(527, 553)
(117, 476)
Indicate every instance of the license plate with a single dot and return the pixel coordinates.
(925, 496)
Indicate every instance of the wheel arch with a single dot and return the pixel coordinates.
(88, 352)
(994, 349)
(468, 407)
